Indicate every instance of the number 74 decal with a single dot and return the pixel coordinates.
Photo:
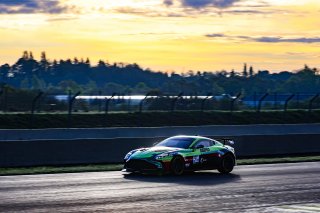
(196, 159)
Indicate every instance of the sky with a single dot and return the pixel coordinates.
(166, 35)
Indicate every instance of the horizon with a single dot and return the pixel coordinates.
(93, 64)
(166, 35)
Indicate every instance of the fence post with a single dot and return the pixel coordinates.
(174, 101)
(233, 100)
(260, 101)
(255, 100)
(298, 101)
(312, 100)
(129, 102)
(71, 101)
(34, 101)
(204, 101)
(5, 98)
(1, 92)
(33, 105)
(108, 101)
(287, 101)
(142, 102)
(99, 100)
(275, 106)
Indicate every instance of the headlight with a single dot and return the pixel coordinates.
(163, 155)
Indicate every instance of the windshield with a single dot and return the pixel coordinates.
(181, 142)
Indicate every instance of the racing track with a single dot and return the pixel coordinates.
(258, 188)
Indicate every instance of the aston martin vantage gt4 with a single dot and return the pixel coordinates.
(182, 153)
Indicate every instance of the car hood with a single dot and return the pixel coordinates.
(152, 151)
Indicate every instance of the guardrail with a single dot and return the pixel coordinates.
(90, 151)
(149, 132)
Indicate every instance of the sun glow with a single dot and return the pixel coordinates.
(270, 36)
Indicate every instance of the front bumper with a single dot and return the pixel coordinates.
(142, 166)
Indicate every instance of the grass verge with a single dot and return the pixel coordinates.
(117, 167)
(277, 160)
(60, 169)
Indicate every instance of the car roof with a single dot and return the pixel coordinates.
(191, 137)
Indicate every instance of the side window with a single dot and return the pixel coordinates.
(205, 143)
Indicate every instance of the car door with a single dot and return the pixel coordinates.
(202, 158)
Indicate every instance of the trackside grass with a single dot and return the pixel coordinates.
(117, 167)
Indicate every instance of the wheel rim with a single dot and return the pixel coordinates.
(228, 163)
(177, 166)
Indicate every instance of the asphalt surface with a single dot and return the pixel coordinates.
(258, 188)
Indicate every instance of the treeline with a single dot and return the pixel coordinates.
(59, 76)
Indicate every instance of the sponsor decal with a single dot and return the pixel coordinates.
(188, 159)
(196, 159)
(203, 160)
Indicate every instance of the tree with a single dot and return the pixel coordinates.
(101, 64)
(25, 55)
(24, 83)
(110, 88)
(245, 72)
(75, 60)
(67, 85)
(141, 88)
(91, 87)
(251, 72)
(31, 56)
(232, 73)
(38, 83)
(4, 72)
(44, 64)
(216, 89)
(87, 62)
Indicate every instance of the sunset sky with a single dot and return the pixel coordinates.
(166, 35)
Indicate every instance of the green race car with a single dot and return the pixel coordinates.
(182, 153)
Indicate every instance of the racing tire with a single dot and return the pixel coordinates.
(227, 163)
(177, 165)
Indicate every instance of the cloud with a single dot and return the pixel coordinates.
(250, 11)
(267, 39)
(216, 35)
(291, 40)
(168, 2)
(61, 19)
(147, 12)
(30, 6)
(221, 7)
(203, 3)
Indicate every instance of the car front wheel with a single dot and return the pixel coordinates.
(227, 164)
(177, 165)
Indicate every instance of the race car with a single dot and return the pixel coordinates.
(182, 153)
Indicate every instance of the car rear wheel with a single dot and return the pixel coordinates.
(177, 165)
(227, 164)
